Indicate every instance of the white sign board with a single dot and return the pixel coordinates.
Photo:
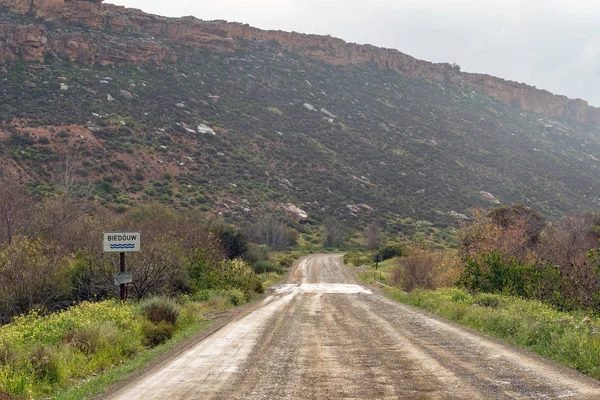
(122, 278)
(122, 242)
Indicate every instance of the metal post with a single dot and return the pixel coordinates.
(122, 269)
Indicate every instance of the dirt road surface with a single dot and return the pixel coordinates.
(323, 336)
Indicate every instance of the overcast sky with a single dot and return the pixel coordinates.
(551, 44)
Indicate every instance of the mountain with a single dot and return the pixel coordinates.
(239, 121)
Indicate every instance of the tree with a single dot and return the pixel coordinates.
(270, 231)
(233, 239)
(531, 222)
(373, 236)
(33, 275)
(569, 240)
(513, 231)
(15, 206)
(334, 233)
(158, 269)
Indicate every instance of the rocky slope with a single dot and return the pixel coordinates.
(233, 120)
(33, 42)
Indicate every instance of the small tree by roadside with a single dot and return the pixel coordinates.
(15, 210)
(334, 233)
(373, 236)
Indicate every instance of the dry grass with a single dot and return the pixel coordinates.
(426, 269)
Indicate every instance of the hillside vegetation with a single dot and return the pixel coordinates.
(241, 133)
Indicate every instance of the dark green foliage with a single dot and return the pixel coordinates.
(566, 288)
(511, 250)
(262, 267)
(391, 251)
(488, 300)
(233, 241)
(155, 334)
(228, 274)
(257, 253)
(237, 297)
(493, 274)
(89, 277)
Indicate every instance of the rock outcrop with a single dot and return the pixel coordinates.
(35, 41)
(295, 213)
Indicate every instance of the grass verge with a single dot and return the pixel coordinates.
(100, 383)
(83, 350)
(569, 338)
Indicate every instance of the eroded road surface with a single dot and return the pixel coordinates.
(323, 336)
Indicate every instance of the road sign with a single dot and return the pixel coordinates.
(377, 257)
(122, 278)
(122, 242)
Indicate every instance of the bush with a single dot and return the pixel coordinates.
(257, 253)
(155, 334)
(33, 275)
(220, 300)
(266, 266)
(416, 269)
(203, 295)
(83, 339)
(160, 309)
(228, 274)
(46, 363)
(237, 297)
(488, 300)
(390, 251)
(493, 274)
(286, 260)
(357, 258)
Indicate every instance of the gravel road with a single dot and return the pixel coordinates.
(323, 336)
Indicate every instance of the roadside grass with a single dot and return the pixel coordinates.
(83, 350)
(284, 259)
(100, 383)
(569, 338)
(365, 267)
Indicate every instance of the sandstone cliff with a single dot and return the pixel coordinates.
(158, 38)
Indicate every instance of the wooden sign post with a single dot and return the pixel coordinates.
(122, 242)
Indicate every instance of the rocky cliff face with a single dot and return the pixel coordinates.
(157, 39)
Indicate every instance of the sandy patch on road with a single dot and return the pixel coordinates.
(323, 288)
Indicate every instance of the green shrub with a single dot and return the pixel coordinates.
(257, 253)
(494, 274)
(488, 300)
(287, 260)
(46, 363)
(390, 251)
(237, 297)
(266, 266)
(220, 300)
(357, 258)
(160, 309)
(83, 339)
(228, 274)
(203, 295)
(8, 353)
(155, 334)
